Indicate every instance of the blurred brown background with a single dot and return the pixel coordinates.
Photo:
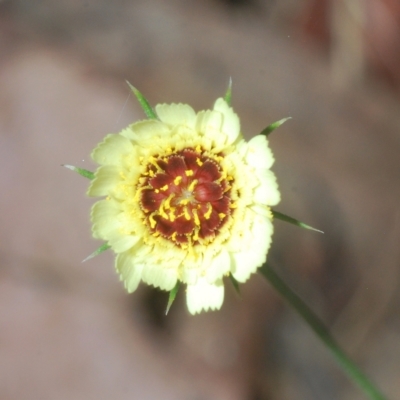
(68, 330)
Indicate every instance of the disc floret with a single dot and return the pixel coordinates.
(186, 197)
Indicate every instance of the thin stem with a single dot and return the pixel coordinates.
(322, 332)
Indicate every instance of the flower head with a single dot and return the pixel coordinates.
(187, 200)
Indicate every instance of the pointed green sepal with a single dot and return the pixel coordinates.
(148, 110)
(228, 94)
(293, 221)
(235, 284)
(273, 126)
(84, 172)
(103, 247)
(172, 295)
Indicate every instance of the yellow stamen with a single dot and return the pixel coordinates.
(172, 214)
(167, 203)
(207, 215)
(162, 211)
(199, 162)
(221, 215)
(184, 202)
(153, 161)
(232, 205)
(186, 213)
(198, 148)
(196, 217)
(164, 188)
(189, 172)
(153, 222)
(177, 180)
(192, 185)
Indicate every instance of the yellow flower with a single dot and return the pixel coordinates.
(187, 200)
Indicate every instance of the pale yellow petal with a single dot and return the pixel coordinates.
(259, 154)
(267, 192)
(145, 130)
(262, 230)
(246, 178)
(209, 123)
(204, 296)
(219, 266)
(105, 219)
(111, 150)
(130, 272)
(106, 179)
(241, 148)
(189, 274)
(241, 237)
(122, 242)
(176, 114)
(247, 263)
(259, 237)
(262, 209)
(236, 241)
(158, 276)
(230, 121)
(191, 268)
(244, 264)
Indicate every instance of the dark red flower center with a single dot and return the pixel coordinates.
(185, 197)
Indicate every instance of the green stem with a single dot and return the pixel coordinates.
(322, 332)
